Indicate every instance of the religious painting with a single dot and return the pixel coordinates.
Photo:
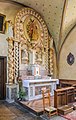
(32, 28)
(2, 20)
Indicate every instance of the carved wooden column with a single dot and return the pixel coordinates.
(46, 55)
(16, 59)
(51, 61)
(10, 61)
(12, 89)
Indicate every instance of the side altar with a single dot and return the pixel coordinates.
(33, 88)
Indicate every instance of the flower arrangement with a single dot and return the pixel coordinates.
(21, 94)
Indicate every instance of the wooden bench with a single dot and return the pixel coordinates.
(68, 83)
(63, 98)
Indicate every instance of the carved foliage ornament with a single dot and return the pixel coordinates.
(31, 30)
(70, 58)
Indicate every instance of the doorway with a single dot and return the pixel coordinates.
(3, 77)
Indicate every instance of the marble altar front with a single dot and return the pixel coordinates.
(33, 88)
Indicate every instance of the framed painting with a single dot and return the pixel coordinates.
(2, 23)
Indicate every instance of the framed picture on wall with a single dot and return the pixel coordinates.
(2, 23)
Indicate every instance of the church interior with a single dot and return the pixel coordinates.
(37, 56)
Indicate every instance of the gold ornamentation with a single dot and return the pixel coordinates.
(34, 32)
(10, 61)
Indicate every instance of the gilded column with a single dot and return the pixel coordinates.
(46, 55)
(16, 60)
(51, 61)
(10, 61)
(12, 89)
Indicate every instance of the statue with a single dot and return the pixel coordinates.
(24, 56)
(10, 28)
(38, 57)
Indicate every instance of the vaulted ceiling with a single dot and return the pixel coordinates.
(59, 15)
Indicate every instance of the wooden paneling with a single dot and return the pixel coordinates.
(68, 83)
(63, 96)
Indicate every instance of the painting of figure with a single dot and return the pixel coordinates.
(32, 29)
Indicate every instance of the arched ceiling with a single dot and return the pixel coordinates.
(69, 18)
(59, 15)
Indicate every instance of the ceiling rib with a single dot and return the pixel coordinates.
(60, 34)
(62, 22)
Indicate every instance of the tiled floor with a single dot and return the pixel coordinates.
(16, 112)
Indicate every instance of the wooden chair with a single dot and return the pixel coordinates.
(47, 103)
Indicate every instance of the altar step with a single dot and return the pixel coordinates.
(35, 106)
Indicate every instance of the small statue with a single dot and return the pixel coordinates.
(10, 28)
(24, 56)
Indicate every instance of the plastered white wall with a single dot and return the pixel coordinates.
(67, 71)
